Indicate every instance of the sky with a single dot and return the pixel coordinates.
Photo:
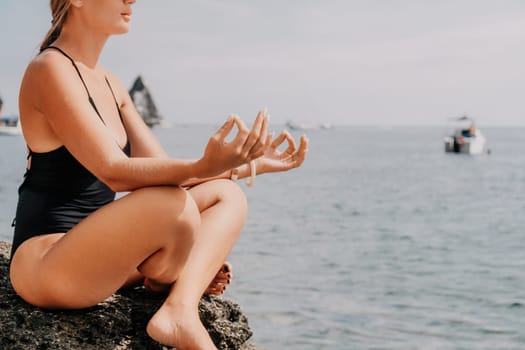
(366, 62)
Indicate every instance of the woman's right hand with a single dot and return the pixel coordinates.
(247, 145)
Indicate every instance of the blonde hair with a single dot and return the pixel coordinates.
(59, 11)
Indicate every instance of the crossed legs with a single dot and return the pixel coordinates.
(167, 233)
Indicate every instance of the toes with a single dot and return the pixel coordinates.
(217, 289)
(226, 267)
(221, 280)
(226, 279)
(226, 272)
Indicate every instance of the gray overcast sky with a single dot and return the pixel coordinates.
(368, 62)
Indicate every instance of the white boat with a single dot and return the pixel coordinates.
(464, 137)
(10, 130)
(10, 126)
(307, 126)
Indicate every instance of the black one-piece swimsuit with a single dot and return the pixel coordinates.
(57, 191)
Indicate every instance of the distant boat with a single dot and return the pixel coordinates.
(144, 104)
(9, 126)
(307, 126)
(326, 126)
(464, 137)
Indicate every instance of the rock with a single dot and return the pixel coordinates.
(143, 101)
(118, 323)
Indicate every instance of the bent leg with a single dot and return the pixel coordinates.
(223, 211)
(164, 232)
(94, 259)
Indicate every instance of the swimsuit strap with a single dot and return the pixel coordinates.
(116, 102)
(91, 101)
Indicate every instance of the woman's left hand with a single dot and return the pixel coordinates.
(275, 160)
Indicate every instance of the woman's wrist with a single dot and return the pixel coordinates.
(200, 169)
(246, 171)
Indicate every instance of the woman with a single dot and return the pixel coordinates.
(74, 245)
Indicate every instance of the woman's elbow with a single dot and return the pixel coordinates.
(113, 176)
(118, 186)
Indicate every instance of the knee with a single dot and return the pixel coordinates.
(173, 208)
(183, 210)
(232, 194)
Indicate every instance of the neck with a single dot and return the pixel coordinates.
(81, 44)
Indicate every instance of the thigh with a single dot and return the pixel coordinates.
(97, 256)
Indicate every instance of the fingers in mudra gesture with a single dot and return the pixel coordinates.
(274, 160)
(256, 141)
(246, 145)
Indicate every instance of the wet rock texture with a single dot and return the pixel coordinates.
(118, 323)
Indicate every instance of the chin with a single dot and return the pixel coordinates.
(121, 29)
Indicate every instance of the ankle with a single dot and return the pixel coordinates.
(181, 304)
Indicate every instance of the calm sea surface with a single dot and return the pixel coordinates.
(380, 241)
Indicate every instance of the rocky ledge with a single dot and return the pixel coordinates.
(116, 324)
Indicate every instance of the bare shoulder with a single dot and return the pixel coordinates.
(48, 62)
(37, 92)
(45, 73)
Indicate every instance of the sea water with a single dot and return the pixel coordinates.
(380, 241)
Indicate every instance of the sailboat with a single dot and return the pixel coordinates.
(144, 104)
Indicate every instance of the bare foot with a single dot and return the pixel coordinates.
(179, 327)
(216, 287)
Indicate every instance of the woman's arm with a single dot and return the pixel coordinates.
(243, 172)
(145, 144)
(51, 87)
(273, 160)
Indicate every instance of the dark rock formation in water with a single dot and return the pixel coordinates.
(118, 323)
(144, 103)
